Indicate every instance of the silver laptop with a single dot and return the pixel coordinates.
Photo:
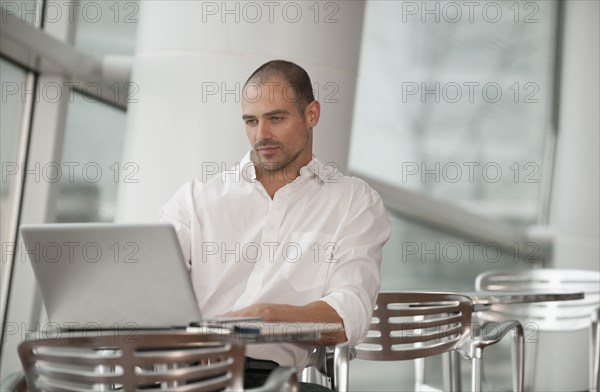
(96, 275)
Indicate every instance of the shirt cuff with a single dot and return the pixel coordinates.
(350, 308)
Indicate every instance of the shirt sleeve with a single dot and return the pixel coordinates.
(354, 280)
(177, 212)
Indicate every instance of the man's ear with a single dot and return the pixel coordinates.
(312, 113)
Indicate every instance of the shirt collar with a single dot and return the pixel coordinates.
(247, 168)
(314, 167)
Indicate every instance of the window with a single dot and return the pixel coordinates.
(91, 165)
(12, 80)
(107, 27)
(421, 258)
(29, 11)
(454, 100)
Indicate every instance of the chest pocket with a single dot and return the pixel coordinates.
(307, 258)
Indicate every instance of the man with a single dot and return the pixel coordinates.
(282, 236)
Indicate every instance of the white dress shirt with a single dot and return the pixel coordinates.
(319, 238)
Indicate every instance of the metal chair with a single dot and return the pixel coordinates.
(550, 316)
(411, 325)
(328, 366)
(14, 382)
(135, 360)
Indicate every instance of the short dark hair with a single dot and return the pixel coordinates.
(292, 73)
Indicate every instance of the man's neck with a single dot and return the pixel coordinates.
(274, 180)
(271, 187)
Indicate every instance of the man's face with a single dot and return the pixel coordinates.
(280, 135)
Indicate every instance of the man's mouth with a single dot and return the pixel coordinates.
(267, 150)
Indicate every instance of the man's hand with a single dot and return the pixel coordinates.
(314, 312)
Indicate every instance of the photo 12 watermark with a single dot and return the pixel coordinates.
(53, 92)
(432, 11)
(270, 12)
(471, 172)
(493, 331)
(124, 332)
(223, 92)
(269, 251)
(71, 252)
(70, 172)
(469, 92)
(445, 333)
(453, 252)
(70, 11)
(220, 171)
(289, 332)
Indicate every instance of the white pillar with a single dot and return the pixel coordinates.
(192, 60)
(574, 211)
(561, 363)
(24, 314)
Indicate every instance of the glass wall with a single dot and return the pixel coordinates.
(95, 129)
(419, 257)
(91, 161)
(29, 11)
(453, 101)
(107, 27)
(90, 168)
(455, 98)
(12, 79)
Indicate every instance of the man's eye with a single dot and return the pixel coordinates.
(251, 122)
(276, 118)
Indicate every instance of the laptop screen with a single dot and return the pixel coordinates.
(106, 275)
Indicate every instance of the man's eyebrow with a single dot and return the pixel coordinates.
(271, 113)
(276, 111)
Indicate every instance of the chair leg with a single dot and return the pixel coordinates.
(455, 371)
(419, 374)
(341, 359)
(595, 352)
(452, 375)
(518, 357)
(500, 330)
(476, 370)
(313, 376)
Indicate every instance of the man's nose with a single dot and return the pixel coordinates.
(264, 131)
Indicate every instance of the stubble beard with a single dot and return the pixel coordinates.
(273, 167)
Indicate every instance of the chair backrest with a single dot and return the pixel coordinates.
(408, 325)
(133, 360)
(547, 316)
